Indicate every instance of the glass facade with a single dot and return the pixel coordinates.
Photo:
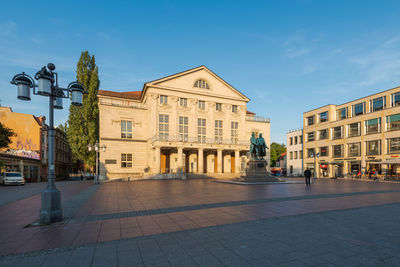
(126, 129)
(323, 134)
(201, 130)
(354, 129)
(338, 151)
(358, 109)
(183, 129)
(337, 132)
(354, 150)
(377, 104)
(163, 126)
(393, 122)
(373, 126)
(218, 131)
(323, 117)
(374, 147)
(394, 145)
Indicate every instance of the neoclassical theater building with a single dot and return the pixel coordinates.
(192, 121)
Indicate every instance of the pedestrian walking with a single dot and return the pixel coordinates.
(307, 175)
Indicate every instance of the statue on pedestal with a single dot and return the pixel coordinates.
(257, 147)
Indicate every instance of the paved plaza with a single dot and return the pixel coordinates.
(203, 223)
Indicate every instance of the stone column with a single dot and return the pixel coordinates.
(220, 159)
(237, 162)
(200, 160)
(157, 160)
(180, 152)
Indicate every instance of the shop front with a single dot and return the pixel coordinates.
(29, 168)
(374, 168)
(324, 170)
(337, 169)
(355, 169)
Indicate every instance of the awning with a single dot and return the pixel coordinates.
(390, 161)
(336, 162)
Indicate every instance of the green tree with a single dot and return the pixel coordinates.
(83, 122)
(63, 127)
(5, 135)
(276, 151)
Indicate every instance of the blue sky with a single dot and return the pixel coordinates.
(287, 56)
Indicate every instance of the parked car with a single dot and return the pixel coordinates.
(7, 178)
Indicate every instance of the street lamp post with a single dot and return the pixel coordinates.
(47, 85)
(97, 148)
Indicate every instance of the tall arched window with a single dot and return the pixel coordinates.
(201, 84)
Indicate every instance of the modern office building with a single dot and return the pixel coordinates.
(192, 121)
(354, 138)
(294, 149)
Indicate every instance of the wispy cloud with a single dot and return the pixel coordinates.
(298, 44)
(7, 28)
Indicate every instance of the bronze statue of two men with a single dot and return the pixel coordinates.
(257, 147)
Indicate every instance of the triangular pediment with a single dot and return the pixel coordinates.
(186, 81)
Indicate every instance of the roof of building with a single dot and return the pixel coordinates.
(250, 113)
(130, 95)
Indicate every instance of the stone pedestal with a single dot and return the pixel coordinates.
(256, 171)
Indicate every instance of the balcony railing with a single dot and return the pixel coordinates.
(213, 141)
(257, 118)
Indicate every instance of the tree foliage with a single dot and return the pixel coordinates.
(276, 151)
(63, 127)
(83, 122)
(5, 136)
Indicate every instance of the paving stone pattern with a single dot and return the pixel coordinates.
(201, 223)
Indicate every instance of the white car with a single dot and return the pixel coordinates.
(7, 178)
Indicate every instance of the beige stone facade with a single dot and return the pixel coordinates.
(192, 122)
(353, 138)
(294, 149)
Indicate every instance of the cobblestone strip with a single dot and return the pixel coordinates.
(213, 205)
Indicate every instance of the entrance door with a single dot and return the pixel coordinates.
(215, 164)
(163, 163)
(233, 163)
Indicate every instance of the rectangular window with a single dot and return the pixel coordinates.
(396, 99)
(354, 150)
(377, 104)
(310, 120)
(323, 134)
(295, 140)
(323, 151)
(338, 151)
(163, 126)
(201, 130)
(183, 102)
(201, 104)
(358, 109)
(295, 155)
(337, 133)
(291, 155)
(310, 136)
(374, 147)
(218, 106)
(234, 132)
(291, 140)
(234, 108)
(394, 145)
(310, 152)
(218, 131)
(393, 122)
(183, 129)
(373, 126)
(301, 139)
(354, 129)
(323, 117)
(126, 129)
(341, 114)
(163, 99)
(301, 154)
(126, 160)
